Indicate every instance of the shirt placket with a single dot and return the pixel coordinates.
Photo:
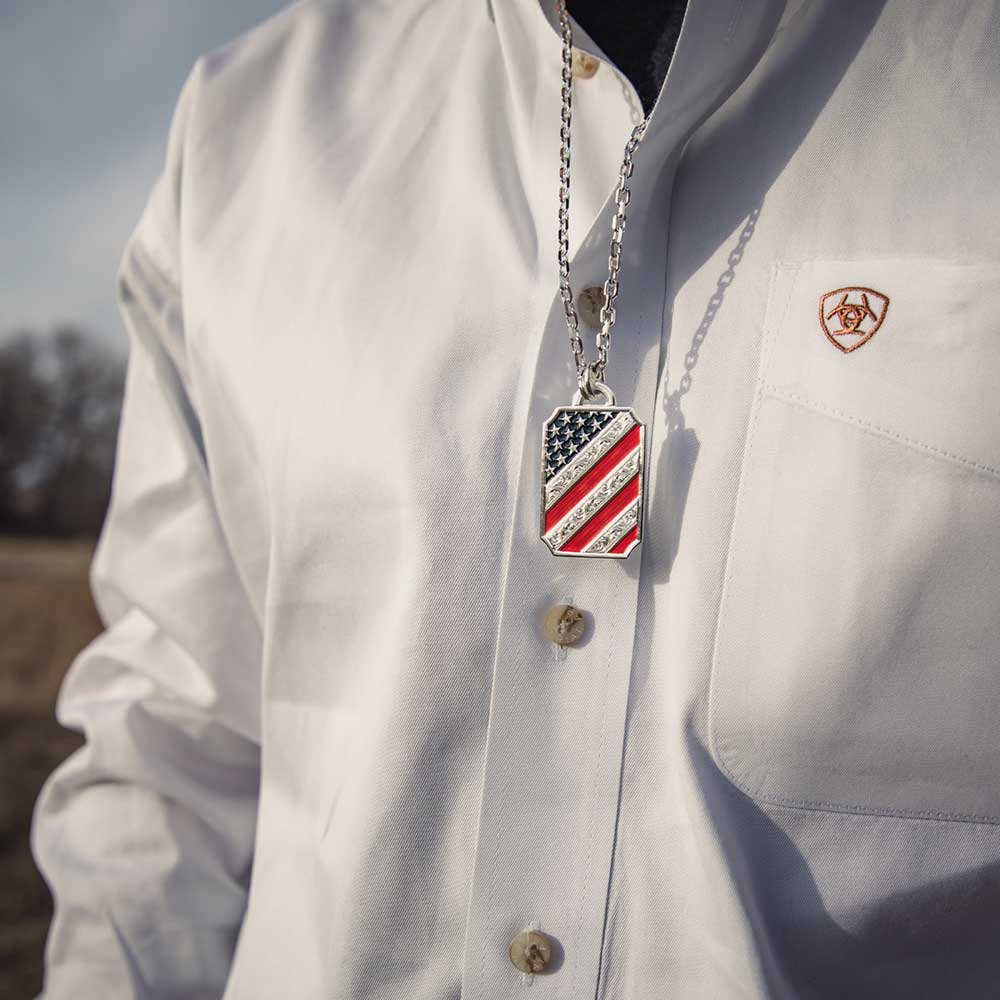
(557, 714)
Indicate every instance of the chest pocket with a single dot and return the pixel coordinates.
(857, 660)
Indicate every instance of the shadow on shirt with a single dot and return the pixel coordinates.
(877, 928)
(764, 153)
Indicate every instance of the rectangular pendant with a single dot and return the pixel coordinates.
(593, 469)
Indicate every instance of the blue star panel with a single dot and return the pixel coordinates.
(570, 433)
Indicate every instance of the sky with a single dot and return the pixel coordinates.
(86, 94)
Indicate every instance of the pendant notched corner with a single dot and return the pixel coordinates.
(593, 481)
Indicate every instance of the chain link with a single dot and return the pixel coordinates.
(594, 372)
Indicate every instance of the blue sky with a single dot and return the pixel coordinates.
(86, 93)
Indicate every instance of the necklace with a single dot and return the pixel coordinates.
(593, 463)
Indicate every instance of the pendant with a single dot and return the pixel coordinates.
(593, 469)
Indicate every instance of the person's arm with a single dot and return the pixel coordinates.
(145, 835)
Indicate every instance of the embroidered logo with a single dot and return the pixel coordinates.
(850, 316)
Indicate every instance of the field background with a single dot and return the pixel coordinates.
(46, 616)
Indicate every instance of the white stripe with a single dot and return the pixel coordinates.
(618, 528)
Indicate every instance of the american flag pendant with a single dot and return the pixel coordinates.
(592, 473)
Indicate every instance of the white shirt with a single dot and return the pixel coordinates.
(771, 767)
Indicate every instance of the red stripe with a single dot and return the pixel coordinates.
(626, 540)
(580, 489)
(603, 517)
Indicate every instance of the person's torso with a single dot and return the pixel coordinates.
(771, 769)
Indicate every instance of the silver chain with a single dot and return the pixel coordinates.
(594, 372)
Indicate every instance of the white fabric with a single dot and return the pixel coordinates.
(772, 767)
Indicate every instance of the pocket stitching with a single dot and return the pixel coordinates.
(724, 756)
(814, 404)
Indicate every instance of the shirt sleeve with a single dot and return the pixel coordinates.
(145, 834)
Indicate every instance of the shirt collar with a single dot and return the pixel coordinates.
(719, 44)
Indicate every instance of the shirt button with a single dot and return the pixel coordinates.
(584, 64)
(530, 951)
(563, 624)
(588, 305)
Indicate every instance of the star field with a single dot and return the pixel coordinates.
(570, 433)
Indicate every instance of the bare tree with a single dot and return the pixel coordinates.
(60, 401)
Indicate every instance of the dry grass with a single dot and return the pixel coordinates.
(46, 617)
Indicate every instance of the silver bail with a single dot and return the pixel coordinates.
(590, 389)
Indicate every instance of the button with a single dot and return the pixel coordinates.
(584, 64)
(530, 951)
(588, 305)
(563, 624)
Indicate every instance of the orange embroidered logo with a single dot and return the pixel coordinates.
(850, 316)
